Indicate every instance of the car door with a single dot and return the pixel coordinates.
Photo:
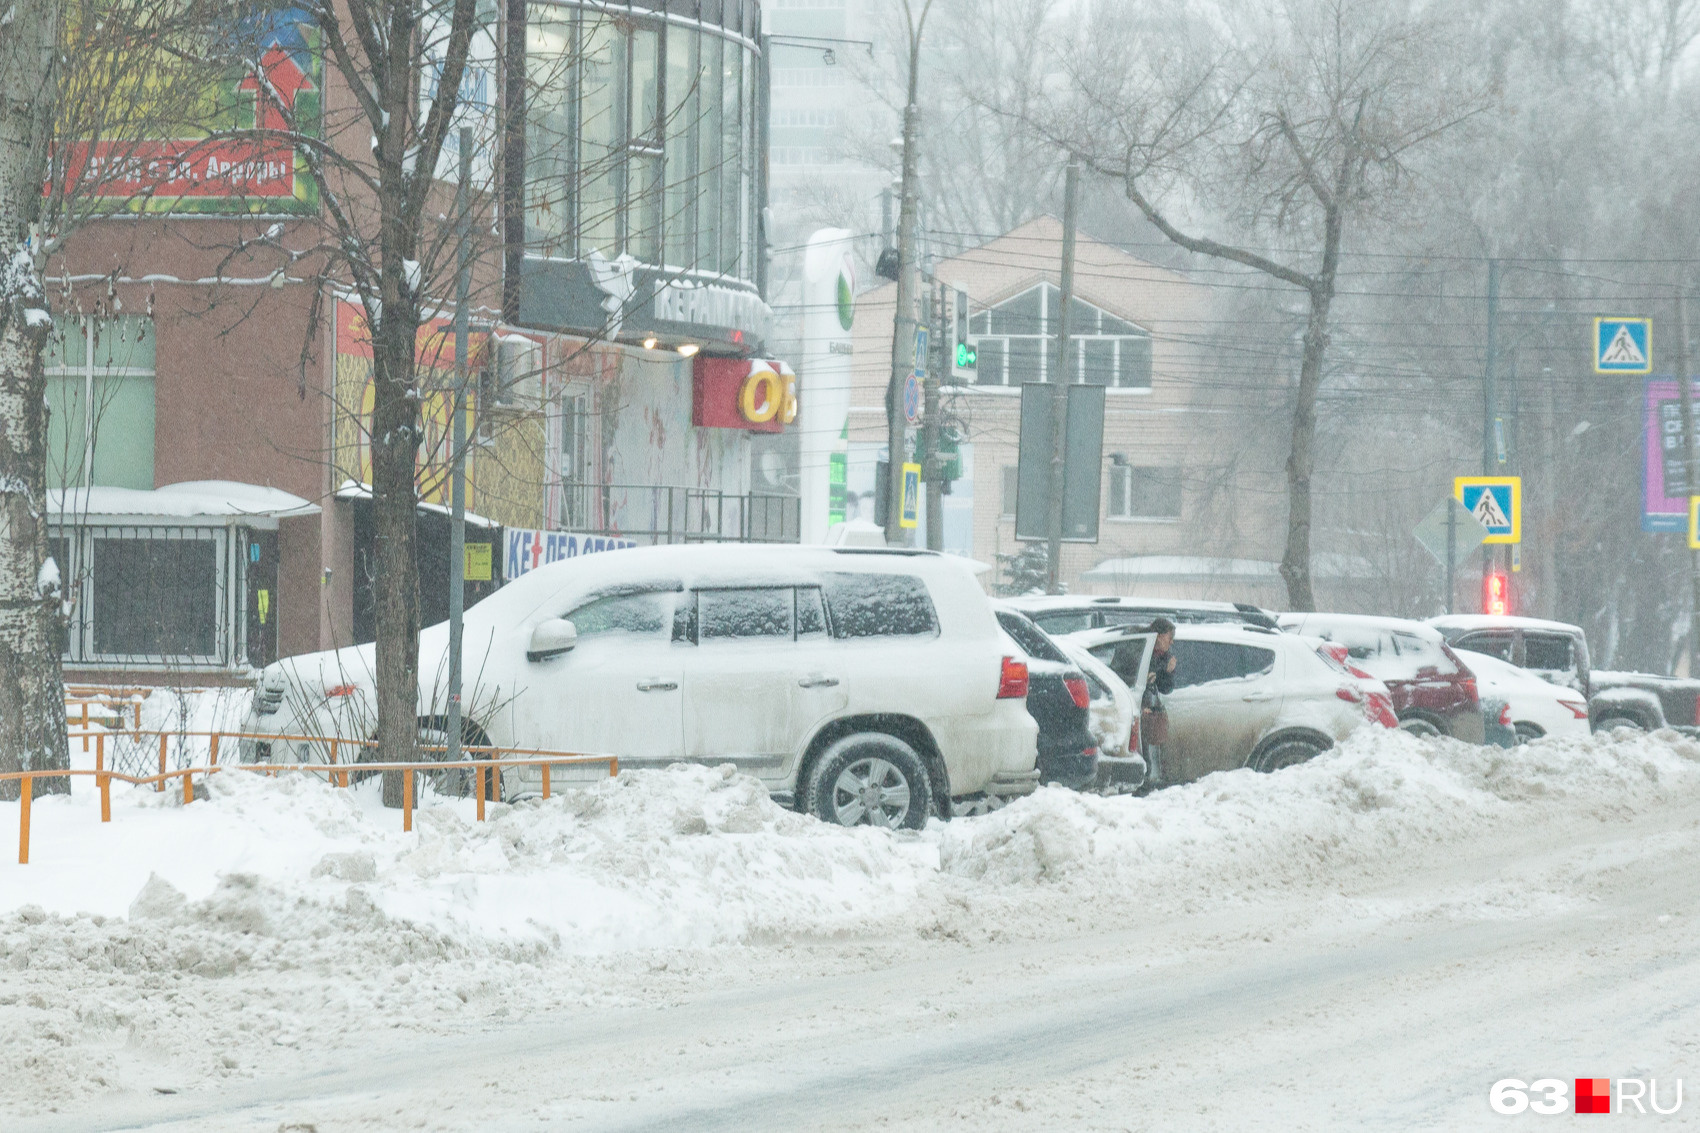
(617, 690)
(761, 674)
(1226, 696)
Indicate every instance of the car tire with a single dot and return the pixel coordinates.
(1607, 723)
(1527, 732)
(1285, 753)
(870, 779)
(1420, 726)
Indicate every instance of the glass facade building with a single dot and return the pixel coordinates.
(644, 137)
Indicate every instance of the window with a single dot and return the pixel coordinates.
(1493, 644)
(878, 605)
(1144, 493)
(645, 614)
(1064, 621)
(155, 598)
(1201, 662)
(100, 401)
(1549, 652)
(1016, 340)
(1007, 498)
(757, 612)
(641, 138)
(1032, 641)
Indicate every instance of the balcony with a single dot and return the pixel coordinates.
(664, 513)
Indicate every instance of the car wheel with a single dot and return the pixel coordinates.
(871, 779)
(1527, 732)
(1607, 723)
(1285, 753)
(1418, 726)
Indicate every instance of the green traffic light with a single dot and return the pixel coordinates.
(966, 355)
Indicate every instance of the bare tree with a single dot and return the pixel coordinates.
(32, 708)
(1306, 139)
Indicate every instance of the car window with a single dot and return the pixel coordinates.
(1028, 637)
(1201, 662)
(878, 605)
(811, 612)
(754, 612)
(1428, 657)
(1063, 621)
(644, 615)
(1493, 644)
(1550, 651)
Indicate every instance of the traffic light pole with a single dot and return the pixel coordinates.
(1490, 395)
(1685, 385)
(1060, 379)
(932, 466)
(908, 270)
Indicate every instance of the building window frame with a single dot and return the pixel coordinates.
(99, 383)
(1130, 344)
(1132, 486)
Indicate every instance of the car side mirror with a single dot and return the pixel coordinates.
(551, 638)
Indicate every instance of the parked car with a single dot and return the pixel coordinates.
(1558, 652)
(1244, 696)
(1434, 693)
(1059, 701)
(1114, 721)
(1555, 651)
(1533, 707)
(862, 686)
(1071, 613)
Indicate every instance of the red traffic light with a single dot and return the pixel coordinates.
(1496, 593)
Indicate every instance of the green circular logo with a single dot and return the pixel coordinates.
(846, 301)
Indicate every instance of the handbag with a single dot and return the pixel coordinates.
(1154, 726)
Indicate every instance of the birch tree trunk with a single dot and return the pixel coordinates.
(32, 682)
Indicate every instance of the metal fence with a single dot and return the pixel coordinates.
(670, 513)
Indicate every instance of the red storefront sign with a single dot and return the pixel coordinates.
(755, 394)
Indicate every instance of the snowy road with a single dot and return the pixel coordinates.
(1390, 993)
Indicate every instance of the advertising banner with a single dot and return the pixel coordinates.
(1664, 476)
(530, 549)
(190, 168)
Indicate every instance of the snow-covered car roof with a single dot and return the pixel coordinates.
(706, 564)
(1236, 632)
(1310, 623)
(1500, 621)
(1034, 602)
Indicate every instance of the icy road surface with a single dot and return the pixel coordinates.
(1368, 941)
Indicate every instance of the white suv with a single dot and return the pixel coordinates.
(862, 686)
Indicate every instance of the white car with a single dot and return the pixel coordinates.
(1538, 707)
(863, 686)
(1114, 719)
(1244, 696)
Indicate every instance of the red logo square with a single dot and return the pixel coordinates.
(1593, 1095)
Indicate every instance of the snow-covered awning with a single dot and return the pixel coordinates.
(209, 503)
(354, 490)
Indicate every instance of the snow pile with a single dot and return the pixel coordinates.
(1377, 795)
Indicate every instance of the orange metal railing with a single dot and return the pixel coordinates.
(487, 764)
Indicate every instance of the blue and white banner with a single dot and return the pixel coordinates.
(529, 549)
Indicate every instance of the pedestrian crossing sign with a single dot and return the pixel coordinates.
(1496, 502)
(1623, 346)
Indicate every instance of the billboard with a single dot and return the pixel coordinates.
(208, 163)
(1664, 472)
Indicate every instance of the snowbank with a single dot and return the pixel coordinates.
(178, 943)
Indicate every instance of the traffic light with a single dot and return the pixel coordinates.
(963, 357)
(1496, 592)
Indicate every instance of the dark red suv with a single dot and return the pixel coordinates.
(1434, 692)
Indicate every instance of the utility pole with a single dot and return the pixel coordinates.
(932, 464)
(457, 451)
(1062, 374)
(1489, 398)
(1685, 384)
(904, 322)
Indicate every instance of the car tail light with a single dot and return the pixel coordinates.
(341, 690)
(1505, 716)
(1012, 685)
(1579, 709)
(1349, 694)
(1133, 738)
(1468, 684)
(1089, 751)
(1077, 689)
(1380, 710)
